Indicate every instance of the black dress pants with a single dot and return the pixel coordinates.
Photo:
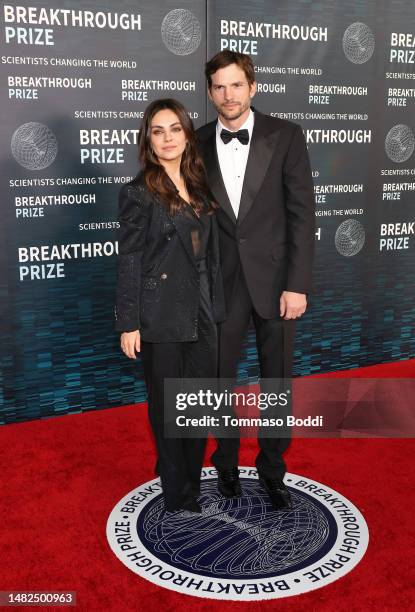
(180, 460)
(274, 339)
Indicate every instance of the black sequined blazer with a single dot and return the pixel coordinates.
(157, 278)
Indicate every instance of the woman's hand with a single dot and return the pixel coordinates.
(130, 343)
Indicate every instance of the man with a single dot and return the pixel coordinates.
(259, 172)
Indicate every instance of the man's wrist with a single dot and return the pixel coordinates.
(295, 291)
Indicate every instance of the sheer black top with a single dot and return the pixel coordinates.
(199, 228)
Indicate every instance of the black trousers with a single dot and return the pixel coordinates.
(180, 460)
(275, 340)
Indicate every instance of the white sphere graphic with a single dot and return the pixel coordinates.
(358, 43)
(399, 143)
(181, 32)
(34, 146)
(350, 237)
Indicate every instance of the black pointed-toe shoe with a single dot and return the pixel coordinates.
(278, 493)
(228, 482)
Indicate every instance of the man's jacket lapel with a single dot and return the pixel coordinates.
(260, 153)
(216, 184)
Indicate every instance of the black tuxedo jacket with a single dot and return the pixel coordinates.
(273, 236)
(158, 282)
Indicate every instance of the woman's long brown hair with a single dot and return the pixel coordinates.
(191, 166)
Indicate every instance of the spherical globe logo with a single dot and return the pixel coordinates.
(181, 32)
(358, 43)
(273, 541)
(399, 143)
(350, 237)
(240, 548)
(34, 146)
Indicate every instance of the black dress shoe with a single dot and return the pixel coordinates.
(228, 482)
(194, 491)
(278, 493)
(192, 505)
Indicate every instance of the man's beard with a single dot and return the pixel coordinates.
(232, 114)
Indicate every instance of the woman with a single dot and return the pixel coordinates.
(169, 289)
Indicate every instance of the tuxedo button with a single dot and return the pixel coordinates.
(242, 240)
(163, 276)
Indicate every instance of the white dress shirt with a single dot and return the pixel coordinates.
(233, 157)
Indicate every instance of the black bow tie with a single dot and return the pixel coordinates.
(241, 135)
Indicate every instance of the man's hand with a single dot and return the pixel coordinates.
(130, 342)
(292, 305)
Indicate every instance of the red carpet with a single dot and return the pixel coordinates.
(62, 477)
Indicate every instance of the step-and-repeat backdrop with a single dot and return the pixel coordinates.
(75, 80)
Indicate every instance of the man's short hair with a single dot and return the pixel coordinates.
(226, 58)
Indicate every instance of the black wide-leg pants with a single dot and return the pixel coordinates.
(180, 460)
(275, 340)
